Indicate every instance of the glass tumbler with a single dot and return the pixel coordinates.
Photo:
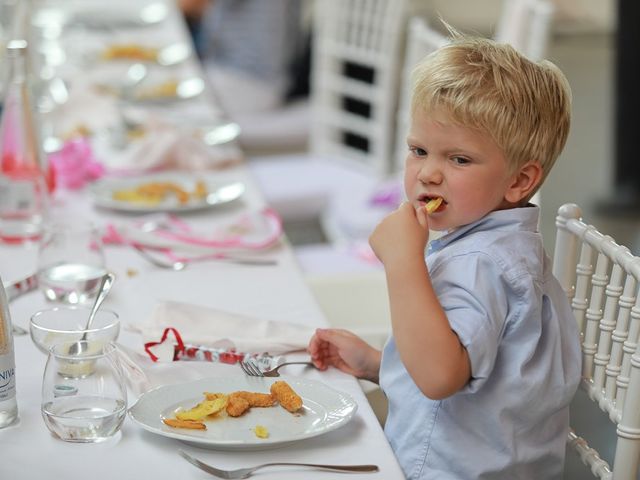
(84, 396)
(70, 262)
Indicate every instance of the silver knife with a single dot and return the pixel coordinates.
(20, 287)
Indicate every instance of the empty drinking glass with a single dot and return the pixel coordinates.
(84, 397)
(70, 262)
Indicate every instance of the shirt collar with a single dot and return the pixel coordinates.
(512, 219)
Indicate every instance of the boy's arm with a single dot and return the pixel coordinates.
(429, 349)
(431, 352)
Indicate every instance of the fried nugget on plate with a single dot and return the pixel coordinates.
(256, 399)
(236, 405)
(285, 395)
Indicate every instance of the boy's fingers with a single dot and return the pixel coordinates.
(423, 217)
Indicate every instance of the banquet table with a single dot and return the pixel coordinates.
(273, 292)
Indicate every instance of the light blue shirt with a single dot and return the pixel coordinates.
(511, 420)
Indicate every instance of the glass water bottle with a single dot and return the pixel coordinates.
(25, 179)
(8, 404)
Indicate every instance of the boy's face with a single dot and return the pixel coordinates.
(464, 167)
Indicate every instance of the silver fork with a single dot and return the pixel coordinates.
(251, 368)
(247, 472)
(178, 265)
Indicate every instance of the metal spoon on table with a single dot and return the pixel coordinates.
(105, 285)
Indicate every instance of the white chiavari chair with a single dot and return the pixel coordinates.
(356, 54)
(601, 278)
(526, 25)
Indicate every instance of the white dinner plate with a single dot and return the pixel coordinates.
(109, 16)
(218, 193)
(169, 91)
(324, 409)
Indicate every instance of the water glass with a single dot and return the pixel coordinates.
(84, 396)
(70, 262)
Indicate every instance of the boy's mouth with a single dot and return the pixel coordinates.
(433, 203)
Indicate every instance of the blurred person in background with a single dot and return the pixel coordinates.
(255, 52)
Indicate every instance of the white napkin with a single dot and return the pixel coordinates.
(142, 374)
(163, 146)
(199, 325)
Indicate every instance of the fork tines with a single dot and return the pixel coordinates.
(249, 367)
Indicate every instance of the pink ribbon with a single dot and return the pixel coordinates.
(75, 164)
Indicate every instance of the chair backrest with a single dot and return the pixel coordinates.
(600, 279)
(421, 41)
(355, 62)
(526, 25)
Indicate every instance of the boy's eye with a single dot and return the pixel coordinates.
(460, 160)
(418, 151)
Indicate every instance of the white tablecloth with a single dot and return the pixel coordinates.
(29, 451)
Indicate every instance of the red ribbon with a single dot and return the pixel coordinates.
(189, 351)
(178, 348)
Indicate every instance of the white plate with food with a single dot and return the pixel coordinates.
(121, 14)
(169, 91)
(164, 193)
(323, 409)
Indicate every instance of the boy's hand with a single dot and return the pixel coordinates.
(402, 235)
(345, 351)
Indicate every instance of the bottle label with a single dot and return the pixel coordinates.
(18, 195)
(7, 377)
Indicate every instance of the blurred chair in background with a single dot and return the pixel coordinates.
(526, 25)
(356, 54)
(601, 279)
(254, 54)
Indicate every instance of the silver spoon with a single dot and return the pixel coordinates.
(105, 285)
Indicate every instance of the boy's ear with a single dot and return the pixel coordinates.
(523, 182)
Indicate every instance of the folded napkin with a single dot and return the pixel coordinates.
(153, 145)
(143, 374)
(250, 231)
(215, 328)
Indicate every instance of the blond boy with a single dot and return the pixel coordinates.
(484, 355)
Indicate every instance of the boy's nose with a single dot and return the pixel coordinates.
(430, 172)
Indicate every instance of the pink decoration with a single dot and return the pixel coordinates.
(75, 164)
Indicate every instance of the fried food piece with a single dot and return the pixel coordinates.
(261, 431)
(433, 204)
(162, 189)
(203, 409)
(236, 405)
(133, 196)
(168, 89)
(285, 395)
(200, 190)
(257, 399)
(190, 424)
(130, 51)
(214, 395)
(152, 193)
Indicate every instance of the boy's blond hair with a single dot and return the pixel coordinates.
(477, 83)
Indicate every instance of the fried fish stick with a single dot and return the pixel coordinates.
(190, 424)
(256, 399)
(236, 405)
(285, 395)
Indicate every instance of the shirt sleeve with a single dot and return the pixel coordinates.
(474, 295)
